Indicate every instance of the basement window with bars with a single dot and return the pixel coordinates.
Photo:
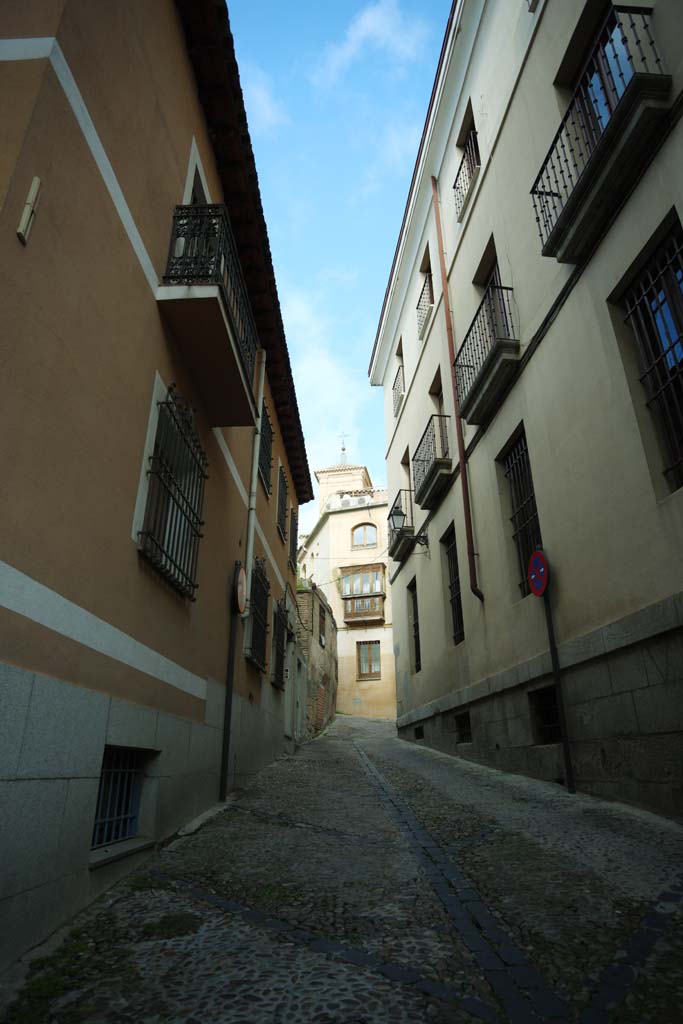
(265, 454)
(118, 797)
(282, 504)
(280, 644)
(654, 311)
(171, 529)
(463, 728)
(526, 530)
(454, 592)
(545, 715)
(414, 622)
(260, 591)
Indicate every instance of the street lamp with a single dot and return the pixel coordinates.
(397, 518)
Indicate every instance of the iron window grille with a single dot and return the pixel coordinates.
(463, 728)
(433, 446)
(469, 165)
(321, 625)
(526, 530)
(280, 630)
(260, 591)
(414, 624)
(545, 715)
(454, 592)
(398, 389)
(425, 302)
(265, 453)
(654, 306)
(368, 659)
(403, 504)
(171, 529)
(118, 797)
(203, 251)
(492, 323)
(623, 47)
(293, 537)
(282, 504)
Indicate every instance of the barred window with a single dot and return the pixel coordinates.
(282, 504)
(454, 593)
(171, 529)
(321, 624)
(526, 530)
(414, 620)
(280, 642)
(368, 661)
(265, 455)
(545, 715)
(118, 797)
(654, 305)
(260, 589)
(463, 728)
(293, 537)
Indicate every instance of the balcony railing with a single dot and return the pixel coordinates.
(425, 305)
(467, 173)
(370, 608)
(624, 65)
(431, 461)
(398, 390)
(203, 251)
(488, 337)
(401, 514)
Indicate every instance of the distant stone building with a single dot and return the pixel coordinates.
(345, 555)
(316, 632)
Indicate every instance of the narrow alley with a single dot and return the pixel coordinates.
(366, 879)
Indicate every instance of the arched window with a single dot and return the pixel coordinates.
(364, 536)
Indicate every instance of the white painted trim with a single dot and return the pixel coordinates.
(26, 49)
(158, 395)
(25, 596)
(195, 164)
(266, 545)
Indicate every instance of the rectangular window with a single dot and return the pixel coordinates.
(280, 643)
(260, 590)
(526, 530)
(654, 311)
(414, 621)
(171, 529)
(321, 625)
(545, 715)
(368, 659)
(118, 797)
(463, 728)
(454, 594)
(282, 504)
(265, 454)
(293, 537)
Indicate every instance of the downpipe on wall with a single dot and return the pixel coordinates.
(253, 483)
(462, 458)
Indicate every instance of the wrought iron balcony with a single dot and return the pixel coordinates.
(597, 153)
(369, 608)
(468, 172)
(425, 306)
(398, 390)
(488, 355)
(432, 463)
(204, 300)
(401, 525)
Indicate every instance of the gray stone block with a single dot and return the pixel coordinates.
(31, 813)
(77, 824)
(645, 623)
(581, 648)
(660, 708)
(65, 731)
(15, 694)
(663, 657)
(519, 731)
(586, 682)
(215, 703)
(608, 716)
(539, 666)
(26, 919)
(627, 669)
(654, 758)
(173, 743)
(205, 748)
(131, 725)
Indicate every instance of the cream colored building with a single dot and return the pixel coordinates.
(530, 348)
(345, 556)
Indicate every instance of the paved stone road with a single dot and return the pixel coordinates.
(369, 880)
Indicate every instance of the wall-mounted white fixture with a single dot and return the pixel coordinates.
(29, 212)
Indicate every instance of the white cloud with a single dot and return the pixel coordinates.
(395, 155)
(380, 26)
(264, 111)
(332, 396)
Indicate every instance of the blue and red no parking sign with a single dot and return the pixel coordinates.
(538, 573)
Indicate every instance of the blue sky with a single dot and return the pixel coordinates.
(336, 96)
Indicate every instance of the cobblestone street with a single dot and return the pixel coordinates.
(368, 880)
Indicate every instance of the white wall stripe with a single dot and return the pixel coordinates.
(26, 49)
(25, 596)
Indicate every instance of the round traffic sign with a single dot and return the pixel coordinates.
(240, 590)
(538, 573)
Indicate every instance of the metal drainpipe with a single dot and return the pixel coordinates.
(462, 458)
(251, 513)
